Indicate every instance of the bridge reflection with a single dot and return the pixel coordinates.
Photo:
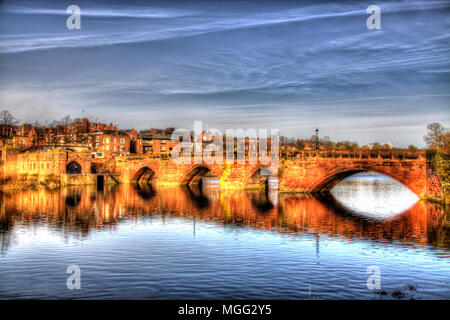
(77, 211)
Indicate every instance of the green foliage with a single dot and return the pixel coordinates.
(443, 169)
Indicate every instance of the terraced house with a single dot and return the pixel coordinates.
(155, 142)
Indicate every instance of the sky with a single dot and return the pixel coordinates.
(293, 66)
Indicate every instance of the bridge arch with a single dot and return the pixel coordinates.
(195, 174)
(333, 178)
(259, 177)
(144, 174)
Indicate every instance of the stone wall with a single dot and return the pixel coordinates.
(47, 169)
(78, 179)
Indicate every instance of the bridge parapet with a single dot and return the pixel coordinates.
(357, 154)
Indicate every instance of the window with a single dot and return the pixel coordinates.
(107, 140)
(122, 141)
(107, 147)
(115, 140)
(122, 148)
(163, 148)
(163, 141)
(97, 139)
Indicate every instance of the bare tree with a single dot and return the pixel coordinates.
(434, 136)
(7, 118)
(65, 121)
(63, 129)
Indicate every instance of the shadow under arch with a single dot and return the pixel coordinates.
(195, 175)
(144, 175)
(259, 178)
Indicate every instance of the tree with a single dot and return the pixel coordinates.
(283, 140)
(434, 136)
(446, 142)
(7, 118)
(326, 143)
(63, 129)
(65, 121)
(346, 145)
(412, 147)
(300, 144)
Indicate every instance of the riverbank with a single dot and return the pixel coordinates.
(30, 182)
(24, 182)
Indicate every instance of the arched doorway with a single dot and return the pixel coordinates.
(73, 168)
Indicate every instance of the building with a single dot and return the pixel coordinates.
(155, 142)
(109, 142)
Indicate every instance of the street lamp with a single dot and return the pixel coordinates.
(317, 139)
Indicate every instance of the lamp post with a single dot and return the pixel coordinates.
(317, 139)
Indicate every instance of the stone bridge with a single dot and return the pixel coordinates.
(312, 171)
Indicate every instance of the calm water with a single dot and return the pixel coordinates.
(145, 243)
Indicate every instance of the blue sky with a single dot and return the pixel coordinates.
(290, 65)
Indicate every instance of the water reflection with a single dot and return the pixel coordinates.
(144, 242)
(77, 211)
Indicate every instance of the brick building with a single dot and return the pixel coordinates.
(155, 142)
(109, 142)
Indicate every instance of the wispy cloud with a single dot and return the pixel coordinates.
(274, 64)
(110, 12)
(193, 23)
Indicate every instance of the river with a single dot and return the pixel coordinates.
(133, 242)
